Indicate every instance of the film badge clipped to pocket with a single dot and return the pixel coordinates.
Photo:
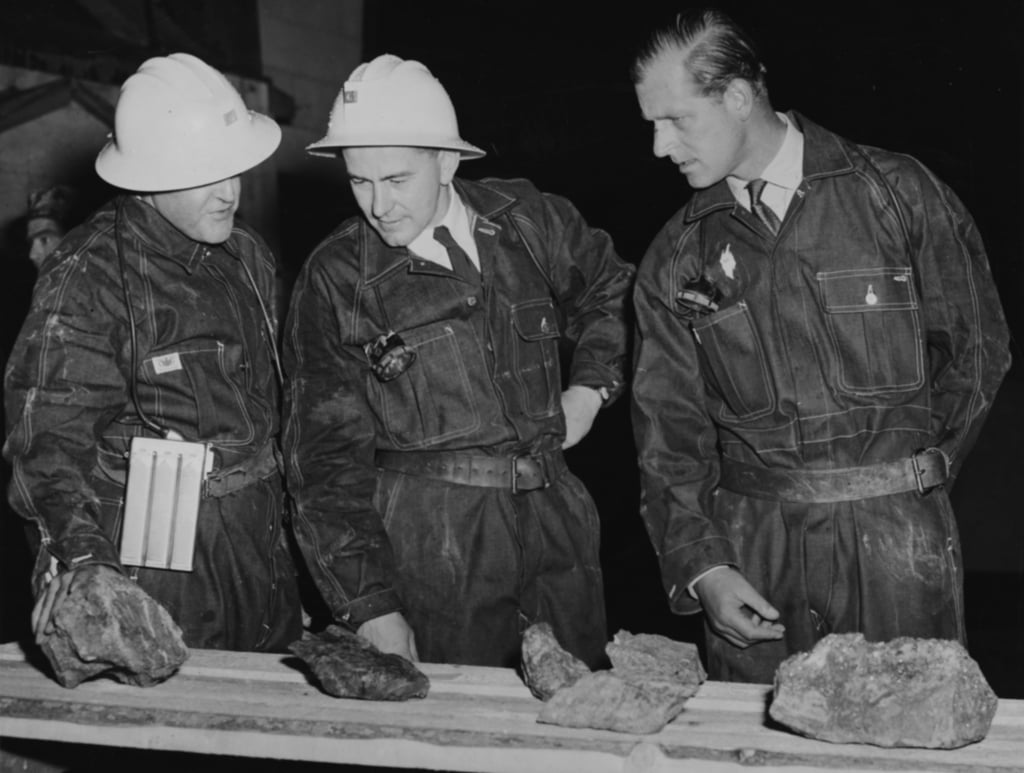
(161, 506)
(389, 356)
(699, 298)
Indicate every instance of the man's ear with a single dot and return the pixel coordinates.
(449, 160)
(739, 97)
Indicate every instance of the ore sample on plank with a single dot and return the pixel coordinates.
(651, 679)
(547, 667)
(348, 666)
(651, 657)
(604, 701)
(108, 626)
(925, 693)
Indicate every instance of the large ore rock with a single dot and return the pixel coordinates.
(925, 693)
(348, 666)
(605, 701)
(547, 667)
(108, 626)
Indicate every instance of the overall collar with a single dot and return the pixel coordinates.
(824, 156)
(158, 236)
(483, 204)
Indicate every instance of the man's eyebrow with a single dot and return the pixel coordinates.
(391, 176)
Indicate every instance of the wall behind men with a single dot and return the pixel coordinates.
(544, 88)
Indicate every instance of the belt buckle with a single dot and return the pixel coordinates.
(220, 478)
(919, 472)
(515, 473)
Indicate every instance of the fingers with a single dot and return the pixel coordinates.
(741, 628)
(51, 598)
(41, 613)
(757, 606)
(414, 655)
(737, 612)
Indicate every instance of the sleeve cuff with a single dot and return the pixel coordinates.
(366, 608)
(690, 588)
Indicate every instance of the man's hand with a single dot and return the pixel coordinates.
(737, 612)
(52, 597)
(391, 633)
(580, 405)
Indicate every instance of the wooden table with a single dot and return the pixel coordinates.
(474, 719)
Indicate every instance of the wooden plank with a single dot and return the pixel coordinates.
(483, 719)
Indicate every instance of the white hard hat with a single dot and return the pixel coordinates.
(179, 124)
(393, 102)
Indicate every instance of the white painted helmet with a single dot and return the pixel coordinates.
(393, 102)
(179, 123)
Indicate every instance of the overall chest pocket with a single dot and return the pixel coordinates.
(734, 363)
(535, 356)
(874, 326)
(198, 387)
(431, 401)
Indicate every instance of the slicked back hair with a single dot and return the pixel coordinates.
(714, 50)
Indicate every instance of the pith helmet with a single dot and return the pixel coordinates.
(179, 123)
(392, 101)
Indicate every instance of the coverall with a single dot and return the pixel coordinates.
(204, 369)
(867, 330)
(469, 565)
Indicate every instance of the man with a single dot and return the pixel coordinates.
(425, 418)
(49, 218)
(153, 320)
(815, 356)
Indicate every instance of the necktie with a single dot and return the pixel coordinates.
(461, 264)
(764, 213)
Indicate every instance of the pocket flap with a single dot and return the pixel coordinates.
(862, 290)
(536, 320)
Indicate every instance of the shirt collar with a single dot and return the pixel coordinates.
(456, 218)
(785, 170)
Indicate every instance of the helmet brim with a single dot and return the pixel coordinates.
(166, 170)
(332, 145)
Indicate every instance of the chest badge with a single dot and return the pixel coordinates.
(728, 262)
(166, 363)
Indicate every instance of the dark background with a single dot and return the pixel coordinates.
(544, 88)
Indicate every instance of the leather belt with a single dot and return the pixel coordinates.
(526, 472)
(921, 472)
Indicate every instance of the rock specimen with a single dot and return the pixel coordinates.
(348, 666)
(648, 657)
(649, 683)
(547, 667)
(108, 626)
(605, 701)
(907, 692)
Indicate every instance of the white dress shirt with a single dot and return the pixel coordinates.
(457, 221)
(782, 175)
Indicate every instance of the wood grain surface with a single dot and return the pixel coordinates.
(474, 719)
